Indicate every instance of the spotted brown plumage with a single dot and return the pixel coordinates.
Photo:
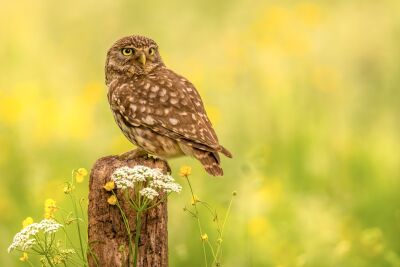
(158, 110)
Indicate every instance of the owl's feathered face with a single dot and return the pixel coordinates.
(132, 55)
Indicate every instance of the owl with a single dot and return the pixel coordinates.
(158, 110)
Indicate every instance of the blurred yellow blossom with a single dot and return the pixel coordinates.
(342, 248)
(109, 186)
(258, 226)
(372, 240)
(80, 174)
(185, 171)
(50, 208)
(309, 13)
(24, 257)
(112, 200)
(204, 237)
(27, 221)
(68, 188)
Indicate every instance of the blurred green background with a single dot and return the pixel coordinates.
(304, 93)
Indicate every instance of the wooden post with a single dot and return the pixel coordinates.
(108, 238)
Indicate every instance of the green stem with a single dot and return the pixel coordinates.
(78, 228)
(48, 260)
(137, 235)
(157, 203)
(198, 221)
(226, 216)
(211, 248)
(126, 223)
(44, 251)
(70, 242)
(30, 263)
(84, 218)
(217, 254)
(133, 204)
(94, 256)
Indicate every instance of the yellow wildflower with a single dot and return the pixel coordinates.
(68, 188)
(24, 257)
(185, 171)
(80, 174)
(27, 221)
(195, 199)
(112, 200)
(50, 208)
(204, 237)
(109, 186)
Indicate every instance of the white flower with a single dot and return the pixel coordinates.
(126, 177)
(166, 186)
(172, 187)
(149, 192)
(143, 173)
(49, 226)
(166, 183)
(24, 239)
(122, 177)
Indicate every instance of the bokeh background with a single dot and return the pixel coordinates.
(304, 93)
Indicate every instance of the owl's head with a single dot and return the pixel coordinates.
(132, 55)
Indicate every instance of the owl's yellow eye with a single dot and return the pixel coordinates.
(127, 51)
(152, 50)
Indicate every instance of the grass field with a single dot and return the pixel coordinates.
(304, 93)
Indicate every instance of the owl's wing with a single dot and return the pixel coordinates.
(170, 106)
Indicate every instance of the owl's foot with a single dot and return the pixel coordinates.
(136, 153)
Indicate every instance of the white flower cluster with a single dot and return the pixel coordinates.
(123, 177)
(166, 183)
(126, 177)
(149, 192)
(24, 240)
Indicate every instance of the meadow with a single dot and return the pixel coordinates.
(305, 94)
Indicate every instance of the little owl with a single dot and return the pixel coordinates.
(158, 110)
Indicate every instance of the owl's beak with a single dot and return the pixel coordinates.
(142, 58)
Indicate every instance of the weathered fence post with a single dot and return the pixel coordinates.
(108, 238)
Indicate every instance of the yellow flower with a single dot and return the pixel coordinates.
(195, 199)
(68, 188)
(24, 257)
(204, 237)
(109, 186)
(112, 200)
(50, 208)
(80, 174)
(27, 221)
(185, 171)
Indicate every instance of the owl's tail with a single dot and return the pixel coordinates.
(210, 161)
(225, 151)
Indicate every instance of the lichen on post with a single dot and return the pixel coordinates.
(107, 234)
